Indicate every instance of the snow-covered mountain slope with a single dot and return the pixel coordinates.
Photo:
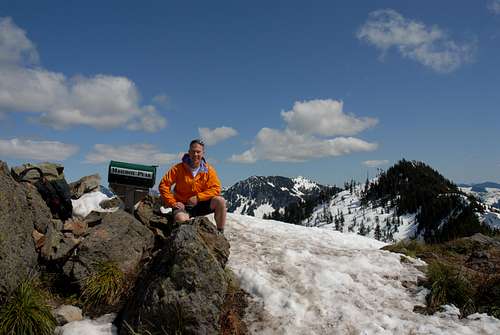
(489, 194)
(307, 280)
(259, 195)
(345, 213)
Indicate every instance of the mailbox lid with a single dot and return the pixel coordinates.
(132, 174)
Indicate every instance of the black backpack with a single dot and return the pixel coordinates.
(56, 193)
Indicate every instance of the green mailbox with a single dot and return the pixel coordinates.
(131, 182)
(132, 174)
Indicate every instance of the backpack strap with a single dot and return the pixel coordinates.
(20, 177)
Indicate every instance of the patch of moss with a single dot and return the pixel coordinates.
(26, 312)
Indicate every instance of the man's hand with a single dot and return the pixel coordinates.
(192, 201)
(179, 205)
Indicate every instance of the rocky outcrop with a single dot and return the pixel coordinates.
(182, 291)
(117, 237)
(21, 209)
(56, 246)
(84, 185)
(148, 212)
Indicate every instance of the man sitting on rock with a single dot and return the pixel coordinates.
(197, 188)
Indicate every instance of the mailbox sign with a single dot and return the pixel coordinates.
(131, 174)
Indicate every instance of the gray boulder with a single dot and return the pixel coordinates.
(56, 246)
(84, 185)
(112, 203)
(118, 238)
(21, 209)
(67, 313)
(38, 210)
(148, 212)
(183, 289)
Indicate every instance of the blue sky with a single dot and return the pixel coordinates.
(330, 90)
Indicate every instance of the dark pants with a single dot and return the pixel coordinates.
(202, 208)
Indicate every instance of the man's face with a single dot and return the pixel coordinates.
(196, 154)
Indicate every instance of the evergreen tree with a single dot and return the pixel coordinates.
(377, 233)
(362, 229)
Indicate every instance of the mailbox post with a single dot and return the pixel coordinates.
(131, 182)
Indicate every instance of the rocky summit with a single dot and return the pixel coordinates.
(183, 289)
(155, 274)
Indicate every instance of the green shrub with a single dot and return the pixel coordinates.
(26, 312)
(449, 286)
(106, 285)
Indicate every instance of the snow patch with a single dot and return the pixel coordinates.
(100, 326)
(304, 183)
(263, 209)
(90, 202)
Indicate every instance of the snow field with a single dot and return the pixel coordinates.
(307, 280)
(315, 281)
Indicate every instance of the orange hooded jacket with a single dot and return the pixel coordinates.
(205, 185)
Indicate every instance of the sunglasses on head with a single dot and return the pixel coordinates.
(197, 141)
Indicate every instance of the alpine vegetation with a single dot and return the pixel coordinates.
(26, 311)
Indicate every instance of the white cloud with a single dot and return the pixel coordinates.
(375, 163)
(161, 99)
(213, 136)
(149, 121)
(290, 146)
(325, 117)
(15, 47)
(308, 123)
(134, 153)
(247, 157)
(36, 150)
(428, 45)
(100, 101)
(494, 6)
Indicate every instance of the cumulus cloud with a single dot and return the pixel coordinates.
(326, 118)
(134, 153)
(213, 136)
(290, 146)
(15, 47)
(100, 101)
(149, 121)
(310, 126)
(247, 157)
(428, 45)
(494, 6)
(36, 150)
(375, 163)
